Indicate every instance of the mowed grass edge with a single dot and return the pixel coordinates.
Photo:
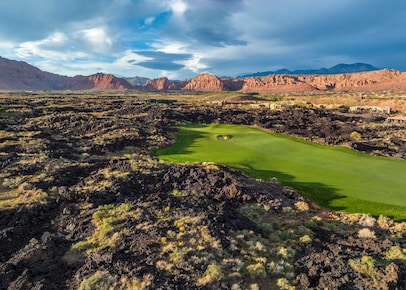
(335, 177)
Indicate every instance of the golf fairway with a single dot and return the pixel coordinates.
(335, 177)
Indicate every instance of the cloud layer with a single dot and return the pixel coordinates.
(182, 38)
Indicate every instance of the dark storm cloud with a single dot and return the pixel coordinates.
(209, 23)
(30, 20)
(184, 37)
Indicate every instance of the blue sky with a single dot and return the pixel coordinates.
(182, 38)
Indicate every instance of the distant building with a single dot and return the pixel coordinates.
(396, 120)
(371, 109)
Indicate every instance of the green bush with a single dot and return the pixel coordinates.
(214, 272)
(396, 253)
(364, 266)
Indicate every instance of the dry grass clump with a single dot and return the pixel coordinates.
(210, 166)
(21, 190)
(102, 180)
(103, 280)
(109, 221)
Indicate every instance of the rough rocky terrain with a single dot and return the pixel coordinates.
(85, 205)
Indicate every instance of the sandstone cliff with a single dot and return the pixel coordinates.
(102, 81)
(160, 84)
(205, 82)
(365, 81)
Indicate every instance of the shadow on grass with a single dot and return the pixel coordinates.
(184, 139)
(320, 193)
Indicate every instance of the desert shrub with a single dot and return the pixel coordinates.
(101, 280)
(396, 253)
(366, 233)
(302, 206)
(210, 166)
(288, 209)
(384, 222)
(305, 239)
(355, 136)
(400, 227)
(256, 270)
(364, 266)
(178, 193)
(367, 220)
(214, 272)
(286, 252)
(353, 217)
(314, 222)
(284, 284)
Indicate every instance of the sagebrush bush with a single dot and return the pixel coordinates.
(396, 253)
(366, 233)
(302, 206)
(364, 266)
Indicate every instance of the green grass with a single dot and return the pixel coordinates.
(335, 177)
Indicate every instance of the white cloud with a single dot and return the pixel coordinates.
(97, 39)
(55, 46)
(178, 6)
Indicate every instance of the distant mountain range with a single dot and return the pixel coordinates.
(137, 81)
(18, 75)
(337, 69)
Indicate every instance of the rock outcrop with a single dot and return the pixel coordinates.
(205, 82)
(102, 81)
(160, 84)
(366, 81)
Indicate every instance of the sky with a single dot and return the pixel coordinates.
(180, 39)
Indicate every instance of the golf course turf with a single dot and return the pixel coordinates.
(334, 177)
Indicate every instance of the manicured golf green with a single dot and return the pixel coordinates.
(335, 177)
